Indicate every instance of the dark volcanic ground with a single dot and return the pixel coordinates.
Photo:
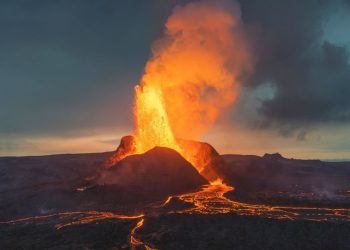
(229, 231)
(41, 186)
(275, 180)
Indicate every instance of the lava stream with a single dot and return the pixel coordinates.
(211, 200)
(135, 242)
(86, 217)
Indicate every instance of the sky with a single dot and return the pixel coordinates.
(68, 71)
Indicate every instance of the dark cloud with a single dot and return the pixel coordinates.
(313, 90)
(71, 65)
(311, 76)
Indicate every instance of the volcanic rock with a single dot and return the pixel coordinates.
(204, 157)
(126, 147)
(158, 170)
(277, 180)
(275, 156)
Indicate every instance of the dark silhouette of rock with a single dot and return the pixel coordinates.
(159, 170)
(126, 147)
(275, 156)
(205, 157)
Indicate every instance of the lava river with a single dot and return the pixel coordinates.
(209, 200)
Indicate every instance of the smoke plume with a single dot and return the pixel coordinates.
(197, 65)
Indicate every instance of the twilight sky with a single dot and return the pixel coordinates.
(68, 67)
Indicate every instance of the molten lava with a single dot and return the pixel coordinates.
(152, 123)
(153, 127)
(194, 73)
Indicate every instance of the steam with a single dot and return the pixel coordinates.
(198, 65)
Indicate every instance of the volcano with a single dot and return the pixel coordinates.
(158, 170)
(203, 156)
(153, 199)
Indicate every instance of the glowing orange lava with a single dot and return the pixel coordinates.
(194, 73)
(152, 123)
(209, 200)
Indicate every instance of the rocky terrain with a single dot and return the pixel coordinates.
(276, 180)
(230, 231)
(69, 216)
(159, 170)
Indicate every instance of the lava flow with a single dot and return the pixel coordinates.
(211, 200)
(194, 73)
(135, 242)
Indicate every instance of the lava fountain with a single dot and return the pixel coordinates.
(194, 73)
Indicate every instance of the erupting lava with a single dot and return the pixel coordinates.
(152, 122)
(194, 73)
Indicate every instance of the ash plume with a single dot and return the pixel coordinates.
(197, 66)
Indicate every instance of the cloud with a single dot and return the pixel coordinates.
(70, 65)
(311, 76)
(67, 68)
